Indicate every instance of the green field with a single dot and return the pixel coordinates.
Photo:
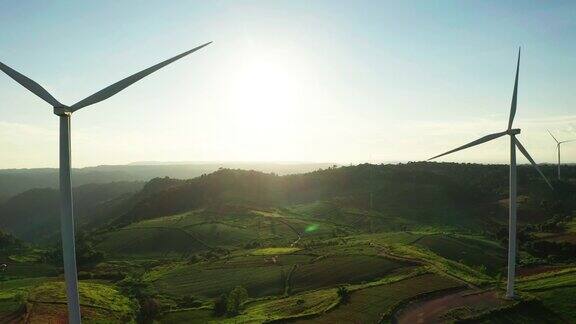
(304, 304)
(335, 270)
(472, 252)
(357, 244)
(213, 281)
(373, 304)
(195, 316)
(101, 301)
(529, 312)
(555, 291)
(150, 242)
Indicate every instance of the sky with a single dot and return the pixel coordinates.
(316, 81)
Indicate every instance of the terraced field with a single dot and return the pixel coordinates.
(555, 290)
(199, 231)
(455, 306)
(12, 294)
(472, 252)
(26, 265)
(46, 302)
(525, 312)
(353, 219)
(259, 278)
(337, 270)
(151, 242)
(195, 316)
(371, 305)
(301, 305)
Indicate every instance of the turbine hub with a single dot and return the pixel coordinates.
(62, 111)
(514, 131)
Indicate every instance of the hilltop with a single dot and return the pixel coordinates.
(14, 181)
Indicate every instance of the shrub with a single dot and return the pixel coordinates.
(344, 294)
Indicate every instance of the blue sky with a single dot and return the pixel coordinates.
(338, 81)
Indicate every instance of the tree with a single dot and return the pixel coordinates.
(7, 240)
(149, 309)
(86, 253)
(236, 297)
(220, 305)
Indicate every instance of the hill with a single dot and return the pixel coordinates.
(34, 215)
(467, 195)
(15, 181)
(367, 243)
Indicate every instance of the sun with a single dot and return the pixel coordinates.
(264, 85)
(265, 96)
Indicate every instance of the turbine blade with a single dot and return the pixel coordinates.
(553, 136)
(568, 141)
(523, 150)
(473, 143)
(514, 94)
(124, 83)
(30, 84)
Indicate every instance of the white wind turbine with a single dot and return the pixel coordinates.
(514, 143)
(558, 149)
(66, 213)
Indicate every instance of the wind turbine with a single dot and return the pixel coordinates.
(514, 144)
(66, 211)
(558, 149)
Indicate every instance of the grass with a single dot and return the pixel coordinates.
(9, 289)
(8, 307)
(17, 269)
(439, 264)
(472, 252)
(548, 280)
(304, 304)
(198, 231)
(101, 301)
(524, 312)
(250, 260)
(9, 292)
(275, 251)
(560, 300)
(91, 294)
(336, 270)
(150, 242)
(373, 304)
(211, 282)
(556, 290)
(191, 316)
(386, 238)
(47, 299)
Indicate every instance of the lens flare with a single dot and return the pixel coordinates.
(311, 228)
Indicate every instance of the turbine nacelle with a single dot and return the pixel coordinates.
(62, 111)
(513, 132)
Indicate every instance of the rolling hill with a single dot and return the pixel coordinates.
(366, 243)
(15, 181)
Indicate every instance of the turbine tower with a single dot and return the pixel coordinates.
(66, 210)
(514, 144)
(558, 149)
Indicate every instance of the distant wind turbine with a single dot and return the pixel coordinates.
(558, 149)
(514, 143)
(66, 210)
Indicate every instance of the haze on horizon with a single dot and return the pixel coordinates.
(322, 81)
